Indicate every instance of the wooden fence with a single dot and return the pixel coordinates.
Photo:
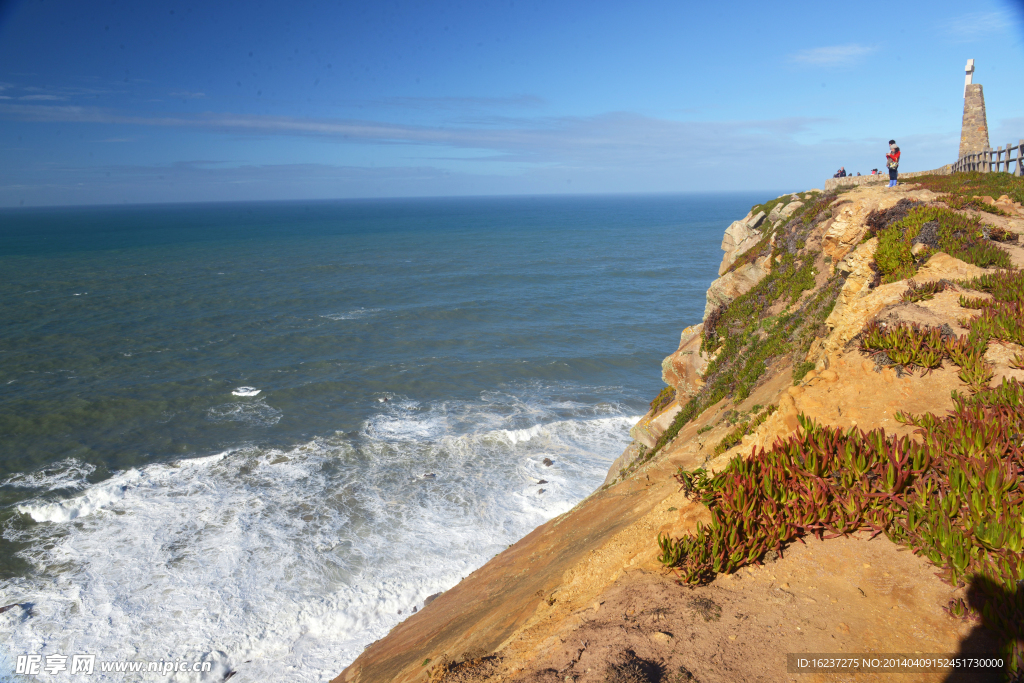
(997, 160)
(1009, 159)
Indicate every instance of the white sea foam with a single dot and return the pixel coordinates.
(522, 435)
(353, 314)
(66, 474)
(285, 564)
(95, 498)
(256, 413)
(246, 391)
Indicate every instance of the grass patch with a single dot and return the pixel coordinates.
(1001, 318)
(906, 345)
(955, 202)
(748, 427)
(925, 292)
(666, 396)
(769, 205)
(955, 498)
(938, 229)
(879, 220)
(1007, 287)
(956, 495)
(800, 370)
(965, 186)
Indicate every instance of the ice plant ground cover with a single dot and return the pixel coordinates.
(955, 494)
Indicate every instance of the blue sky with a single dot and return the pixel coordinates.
(114, 102)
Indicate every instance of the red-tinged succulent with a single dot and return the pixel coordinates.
(955, 495)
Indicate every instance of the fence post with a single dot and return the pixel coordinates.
(1019, 171)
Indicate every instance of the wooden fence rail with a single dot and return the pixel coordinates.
(1000, 159)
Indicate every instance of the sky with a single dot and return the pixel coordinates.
(113, 102)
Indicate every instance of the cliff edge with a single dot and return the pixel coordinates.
(719, 542)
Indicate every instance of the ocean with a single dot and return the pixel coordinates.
(260, 435)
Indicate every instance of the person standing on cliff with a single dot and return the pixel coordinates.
(892, 161)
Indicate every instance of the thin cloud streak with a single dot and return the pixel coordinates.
(613, 137)
(835, 55)
(971, 27)
(456, 103)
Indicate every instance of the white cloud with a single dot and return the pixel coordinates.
(834, 55)
(979, 25)
(186, 95)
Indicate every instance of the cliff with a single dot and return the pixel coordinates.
(688, 565)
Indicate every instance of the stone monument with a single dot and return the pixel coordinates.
(974, 132)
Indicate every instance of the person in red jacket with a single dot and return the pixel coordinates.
(892, 161)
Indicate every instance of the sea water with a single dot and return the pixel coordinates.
(261, 435)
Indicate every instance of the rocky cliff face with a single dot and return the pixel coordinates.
(585, 597)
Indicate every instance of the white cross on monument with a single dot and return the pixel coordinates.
(970, 74)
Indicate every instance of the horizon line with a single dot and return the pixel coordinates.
(211, 202)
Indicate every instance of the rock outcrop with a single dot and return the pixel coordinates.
(851, 211)
(685, 368)
(736, 283)
(739, 237)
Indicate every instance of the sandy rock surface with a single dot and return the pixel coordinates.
(584, 598)
(845, 596)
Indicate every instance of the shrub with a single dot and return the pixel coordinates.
(878, 220)
(907, 345)
(801, 369)
(957, 497)
(664, 397)
(958, 235)
(748, 427)
(928, 290)
(968, 185)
